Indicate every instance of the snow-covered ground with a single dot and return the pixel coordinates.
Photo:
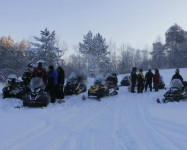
(123, 122)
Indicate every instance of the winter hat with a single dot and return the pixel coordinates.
(177, 70)
(51, 67)
(59, 68)
(134, 68)
(40, 64)
(156, 71)
(140, 70)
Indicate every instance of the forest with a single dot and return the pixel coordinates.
(93, 54)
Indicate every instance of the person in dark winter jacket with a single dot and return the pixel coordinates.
(40, 72)
(141, 80)
(52, 83)
(177, 75)
(61, 77)
(133, 79)
(27, 75)
(156, 79)
(148, 80)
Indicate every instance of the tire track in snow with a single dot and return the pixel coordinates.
(76, 126)
(163, 138)
(23, 136)
(117, 116)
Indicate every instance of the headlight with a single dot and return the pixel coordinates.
(38, 90)
(32, 90)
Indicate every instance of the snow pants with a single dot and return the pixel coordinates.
(140, 87)
(156, 85)
(150, 86)
(52, 92)
(60, 92)
(132, 87)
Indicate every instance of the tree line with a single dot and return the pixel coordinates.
(93, 54)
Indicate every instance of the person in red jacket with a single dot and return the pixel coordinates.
(40, 72)
(156, 79)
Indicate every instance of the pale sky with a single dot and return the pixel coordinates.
(137, 22)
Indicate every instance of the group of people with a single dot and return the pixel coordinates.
(143, 82)
(53, 79)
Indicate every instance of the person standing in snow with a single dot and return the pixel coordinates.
(140, 79)
(156, 80)
(61, 77)
(40, 72)
(148, 80)
(133, 79)
(52, 83)
(27, 75)
(177, 75)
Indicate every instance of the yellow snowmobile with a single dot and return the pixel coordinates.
(101, 88)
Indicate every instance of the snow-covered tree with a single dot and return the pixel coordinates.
(95, 51)
(45, 49)
(13, 57)
(127, 59)
(113, 56)
(145, 64)
(138, 58)
(175, 36)
(158, 55)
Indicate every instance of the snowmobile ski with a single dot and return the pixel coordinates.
(60, 101)
(18, 107)
(96, 98)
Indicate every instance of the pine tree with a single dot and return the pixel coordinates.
(95, 51)
(46, 50)
(158, 55)
(175, 36)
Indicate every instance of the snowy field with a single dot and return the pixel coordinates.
(123, 122)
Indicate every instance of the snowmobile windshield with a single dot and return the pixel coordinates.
(99, 80)
(72, 77)
(12, 76)
(126, 77)
(108, 75)
(37, 83)
(161, 78)
(176, 83)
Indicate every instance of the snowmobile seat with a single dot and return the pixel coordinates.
(184, 83)
(111, 80)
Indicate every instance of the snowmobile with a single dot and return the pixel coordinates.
(101, 88)
(177, 92)
(112, 81)
(125, 81)
(75, 84)
(161, 84)
(14, 87)
(36, 96)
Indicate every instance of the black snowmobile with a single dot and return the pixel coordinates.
(36, 96)
(161, 84)
(125, 81)
(112, 81)
(177, 92)
(103, 87)
(75, 84)
(14, 87)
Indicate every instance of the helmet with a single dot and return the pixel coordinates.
(29, 65)
(134, 69)
(51, 67)
(177, 70)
